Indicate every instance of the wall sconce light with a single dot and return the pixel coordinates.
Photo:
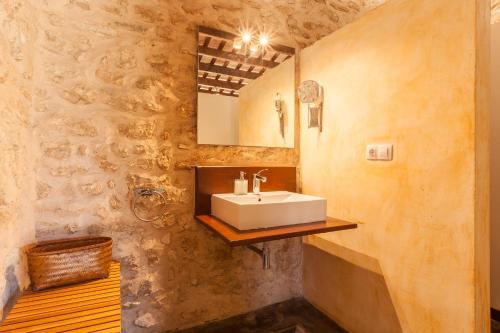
(311, 93)
(277, 105)
(281, 114)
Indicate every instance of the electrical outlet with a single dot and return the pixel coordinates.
(371, 152)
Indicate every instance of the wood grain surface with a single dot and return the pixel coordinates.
(86, 307)
(237, 237)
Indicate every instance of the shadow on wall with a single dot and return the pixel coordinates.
(284, 128)
(348, 303)
(12, 289)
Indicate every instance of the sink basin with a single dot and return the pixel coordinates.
(268, 210)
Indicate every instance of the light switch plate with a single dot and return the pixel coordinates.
(379, 152)
(384, 152)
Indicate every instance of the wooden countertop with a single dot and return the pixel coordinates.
(237, 237)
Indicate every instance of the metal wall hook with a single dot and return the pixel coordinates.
(147, 192)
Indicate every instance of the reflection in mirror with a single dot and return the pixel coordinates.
(246, 90)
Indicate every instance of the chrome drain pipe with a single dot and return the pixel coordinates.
(264, 253)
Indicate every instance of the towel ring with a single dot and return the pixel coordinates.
(147, 192)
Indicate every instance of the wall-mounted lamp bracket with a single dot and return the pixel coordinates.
(315, 117)
(311, 93)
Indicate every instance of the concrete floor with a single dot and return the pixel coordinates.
(495, 326)
(292, 316)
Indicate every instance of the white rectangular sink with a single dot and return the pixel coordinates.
(268, 210)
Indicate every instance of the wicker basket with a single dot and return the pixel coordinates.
(67, 261)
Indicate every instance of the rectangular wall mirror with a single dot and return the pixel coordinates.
(246, 90)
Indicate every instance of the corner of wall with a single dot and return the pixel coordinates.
(482, 168)
(17, 180)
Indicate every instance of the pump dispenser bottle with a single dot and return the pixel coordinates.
(241, 185)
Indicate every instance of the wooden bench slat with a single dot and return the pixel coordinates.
(38, 314)
(106, 327)
(69, 299)
(110, 330)
(87, 326)
(67, 292)
(46, 325)
(50, 318)
(64, 290)
(93, 306)
(35, 294)
(74, 306)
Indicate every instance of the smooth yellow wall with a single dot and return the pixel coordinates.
(482, 97)
(495, 166)
(404, 73)
(259, 122)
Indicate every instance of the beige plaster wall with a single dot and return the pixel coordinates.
(218, 119)
(481, 282)
(495, 166)
(417, 262)
(259, 122)
(115, 109)
(17, 152)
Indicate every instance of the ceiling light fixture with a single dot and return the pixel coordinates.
(237, 44)
(264, 40)
(246, 37)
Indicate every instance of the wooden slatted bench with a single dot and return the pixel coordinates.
(87, 307)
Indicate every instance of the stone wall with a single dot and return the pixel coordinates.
(495, 11)
(16, 146)
(115, 109)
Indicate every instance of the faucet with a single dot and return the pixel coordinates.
(257, 179)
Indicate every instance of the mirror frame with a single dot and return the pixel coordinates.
(228, 36)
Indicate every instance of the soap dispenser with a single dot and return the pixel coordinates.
(241, 185)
